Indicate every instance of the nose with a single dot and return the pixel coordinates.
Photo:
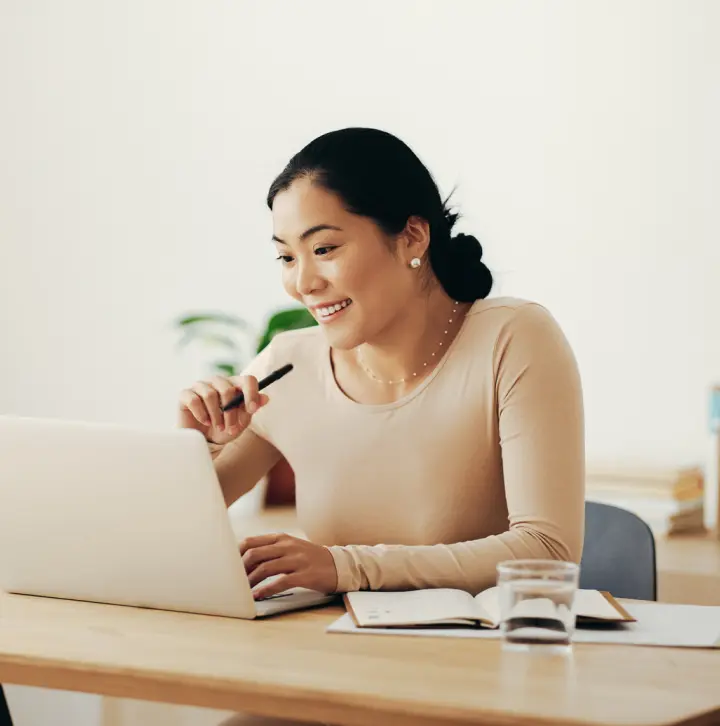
(307, 279)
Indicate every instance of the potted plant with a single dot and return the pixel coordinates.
(232, 342)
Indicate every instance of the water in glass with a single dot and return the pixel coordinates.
(536, 602)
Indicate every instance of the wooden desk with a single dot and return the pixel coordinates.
(289, 667)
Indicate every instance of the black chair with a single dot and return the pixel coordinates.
(618, 554)
(5, 718)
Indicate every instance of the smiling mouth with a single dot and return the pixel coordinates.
(331, 311)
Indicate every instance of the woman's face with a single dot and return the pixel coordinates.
(339, 265)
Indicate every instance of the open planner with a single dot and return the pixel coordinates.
(443, 606)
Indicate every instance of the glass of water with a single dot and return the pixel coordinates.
(536, 603)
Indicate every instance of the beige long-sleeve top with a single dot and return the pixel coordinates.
(482, 462)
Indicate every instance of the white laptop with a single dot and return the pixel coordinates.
(128, 516)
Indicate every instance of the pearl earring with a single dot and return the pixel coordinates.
(415, 263)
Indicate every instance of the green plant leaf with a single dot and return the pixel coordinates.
(290, 319)
(228, 369)
(217, 317)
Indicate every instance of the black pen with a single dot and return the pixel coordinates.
(240, 398)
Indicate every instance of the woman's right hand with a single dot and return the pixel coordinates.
(201, 407)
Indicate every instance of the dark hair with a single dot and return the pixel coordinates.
(380, 177)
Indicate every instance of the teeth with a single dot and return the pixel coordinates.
(325, 312)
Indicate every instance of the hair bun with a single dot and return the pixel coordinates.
(460, 268)
(467, 247)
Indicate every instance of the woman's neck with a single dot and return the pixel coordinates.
(411, 346)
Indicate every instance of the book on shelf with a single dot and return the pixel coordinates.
(446, 606)
(659, 475)
(670, 500)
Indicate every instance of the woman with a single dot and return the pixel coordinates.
(433, 432)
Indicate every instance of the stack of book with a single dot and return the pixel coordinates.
(669, 500)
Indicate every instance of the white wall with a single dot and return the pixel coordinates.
(137, 141)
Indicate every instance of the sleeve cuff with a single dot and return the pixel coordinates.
(343, 566)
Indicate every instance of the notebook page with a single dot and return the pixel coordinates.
(586, 603)
(411, 607)
(592, 604)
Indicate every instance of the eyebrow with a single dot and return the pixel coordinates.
(308, 232)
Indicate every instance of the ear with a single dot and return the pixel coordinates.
(414, 240)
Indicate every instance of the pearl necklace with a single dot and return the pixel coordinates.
(373, 377)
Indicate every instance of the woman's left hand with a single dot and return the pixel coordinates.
(298, 563)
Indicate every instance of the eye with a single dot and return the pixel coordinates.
(285, 259)
(324, 250)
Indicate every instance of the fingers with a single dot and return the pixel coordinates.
(276, 562)
(239, 417)
(284, 582)
(249, 386)
(279, 566)
(233, 419)
(206, 399)
(192, 401)
(260, 540)
(257, 555)
(211, 400)
(203, 401)
(267, 555)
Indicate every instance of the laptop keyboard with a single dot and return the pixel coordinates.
(291, 600)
